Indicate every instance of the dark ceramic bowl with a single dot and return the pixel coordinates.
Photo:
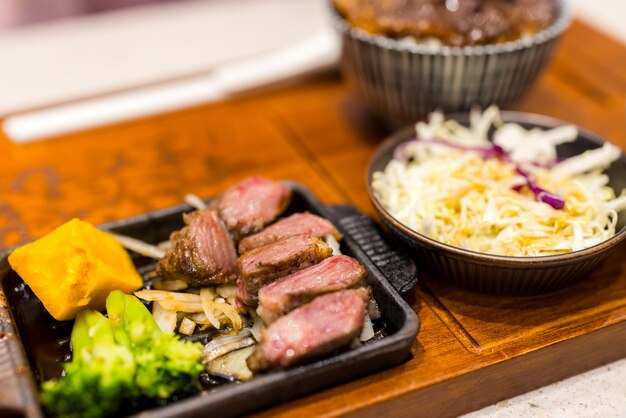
(403, 81)
(504, 275)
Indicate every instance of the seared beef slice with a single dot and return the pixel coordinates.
(327, 323)
(202, 253)
(263, 265)
(248, 206)
(333, 274)
(296, 224)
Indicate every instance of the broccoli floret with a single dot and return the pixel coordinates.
(99, 376)
(168, 367)
(120, 359)
(165, 364)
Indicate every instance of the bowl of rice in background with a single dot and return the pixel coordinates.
(403, 79)
(496, 271)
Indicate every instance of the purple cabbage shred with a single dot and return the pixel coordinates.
(541, 195)
(494, 151)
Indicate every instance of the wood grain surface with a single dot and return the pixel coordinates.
(472, 350)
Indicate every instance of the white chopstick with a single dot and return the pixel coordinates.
(316, 53)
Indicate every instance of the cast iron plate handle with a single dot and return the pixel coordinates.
(395, 265)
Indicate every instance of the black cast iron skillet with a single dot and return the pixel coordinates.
(33, 345)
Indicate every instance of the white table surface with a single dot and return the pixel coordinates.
(65, 60)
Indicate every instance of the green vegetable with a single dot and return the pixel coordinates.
(99, 376)
(118, 360)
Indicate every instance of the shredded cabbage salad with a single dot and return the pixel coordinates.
(509, 196)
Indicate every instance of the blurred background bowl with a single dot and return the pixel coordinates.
(404, 81)
(494, 274)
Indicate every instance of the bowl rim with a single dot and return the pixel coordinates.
(557, 27)
(542, 121)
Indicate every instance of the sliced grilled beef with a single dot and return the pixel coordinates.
(333, 274)
(327, 323)
(263, 265)
(296, 224)
(202, 253)
(248, 206)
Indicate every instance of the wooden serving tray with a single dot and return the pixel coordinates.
(472, 350)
